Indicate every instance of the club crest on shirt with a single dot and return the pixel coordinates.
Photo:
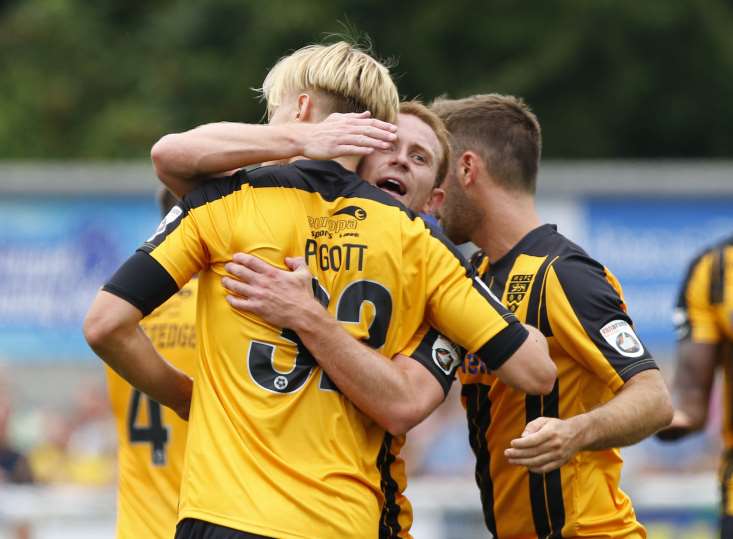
(172, 215)
(517, 289)
(446, 355)
(622, 338)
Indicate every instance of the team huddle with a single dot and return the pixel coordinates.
(332, 315)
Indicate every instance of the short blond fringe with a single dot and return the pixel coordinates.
(341, 70)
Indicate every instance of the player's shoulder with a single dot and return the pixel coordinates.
(213, 189)
(710, 250)
(566, 255)
(312, 176)
(559, 251)
(707, 269)
(573, 266)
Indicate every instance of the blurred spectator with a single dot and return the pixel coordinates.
(79, 449)
(439, 445)
(14, 466)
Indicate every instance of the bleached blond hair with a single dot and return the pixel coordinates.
(350, 79)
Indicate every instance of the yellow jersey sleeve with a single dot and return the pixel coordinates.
(464, 310)
(588, 318)
(195, 234)
(198, 231)
(695, 316)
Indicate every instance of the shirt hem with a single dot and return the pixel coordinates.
(241, 525)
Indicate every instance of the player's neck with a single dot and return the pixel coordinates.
(508, 217)
(350, 163)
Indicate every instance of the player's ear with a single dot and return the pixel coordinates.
(305, 108)
(434, 202)
(468, 168)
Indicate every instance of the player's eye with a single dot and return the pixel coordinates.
(419, 158)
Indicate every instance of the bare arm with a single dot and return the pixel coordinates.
(693, 382)
(640, 408)
(183, 160)
(397, 393)
(112, 329)
(530, 369)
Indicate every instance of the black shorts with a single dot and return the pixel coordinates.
(726, 527)
(192, 528)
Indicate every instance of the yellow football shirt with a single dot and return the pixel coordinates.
(274, 448)
(152, 438)
(552, 284)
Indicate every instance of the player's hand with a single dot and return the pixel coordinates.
(680, 426)
(280, 297)
(347, 134)
(546, 444)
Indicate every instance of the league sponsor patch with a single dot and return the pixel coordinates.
(168, 219)
(446, 355)
(622, 338)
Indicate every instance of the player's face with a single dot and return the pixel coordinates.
(407, 169)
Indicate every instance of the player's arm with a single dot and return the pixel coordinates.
(639, 409)
(589, 321)
(183, 160)
(156, 271)
(112, 329)
(697, 351)
(397, 393)
(691, 389)
(463, 309)
(529, 368)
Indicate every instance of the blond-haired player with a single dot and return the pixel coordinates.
(410, 169)
(274, 448)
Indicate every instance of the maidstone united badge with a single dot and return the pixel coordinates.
(517, 289)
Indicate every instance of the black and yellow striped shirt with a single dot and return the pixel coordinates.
(552, 284)
(704, 314)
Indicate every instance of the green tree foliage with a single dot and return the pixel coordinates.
(623, 78)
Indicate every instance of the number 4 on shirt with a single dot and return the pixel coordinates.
(154, 433)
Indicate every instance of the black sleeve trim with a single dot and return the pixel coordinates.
(717, 277)
(635, 368)
(214, 189)
(142, 282)
(496, 351)
(440, 357)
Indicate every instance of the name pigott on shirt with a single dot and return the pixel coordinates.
(334, 257)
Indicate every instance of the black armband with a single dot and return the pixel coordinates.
(142, 282)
